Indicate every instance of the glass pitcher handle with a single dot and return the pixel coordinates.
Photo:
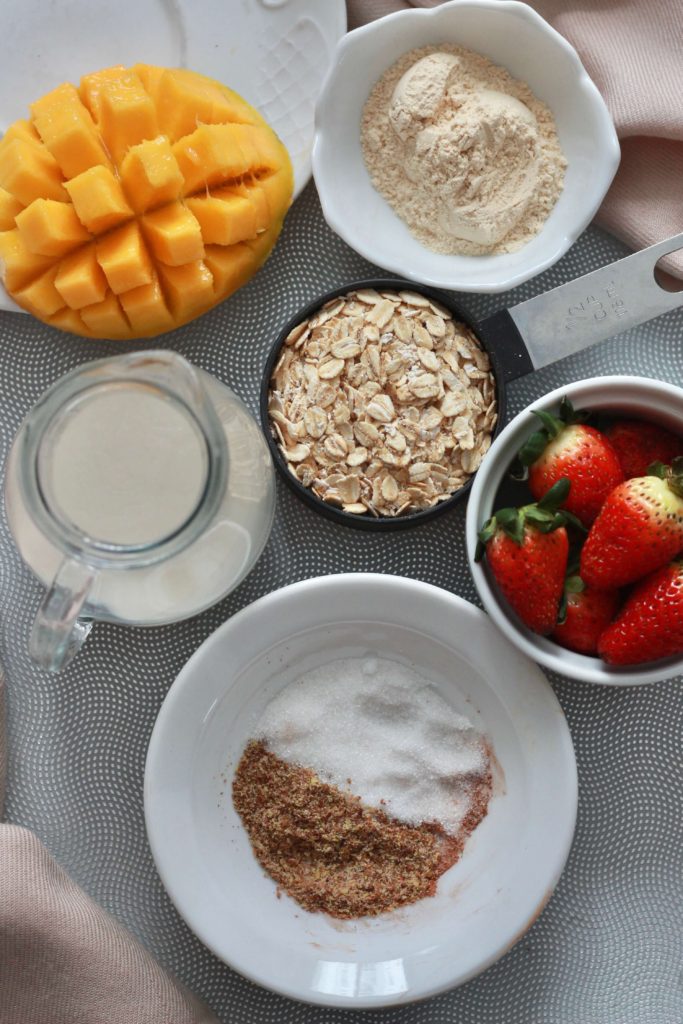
(59, 630)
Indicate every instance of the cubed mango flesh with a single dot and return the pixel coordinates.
(29, 172)
(41, 295)
(230, 266)
(274, 187)
(174, 235)
(68, 131)
(185, 100)
(137, 201)
(187, 288)
(69, 320)
(80, 280)
(150, 174)
(9, 208)
(146, 309)
(255, 194)
(126, 114)
(50, 228)
(225, 217)
(23, 130)
(98, 200)
(123, 256)
(18, 265)
(90, 89)
(106, 319)
(211, 155)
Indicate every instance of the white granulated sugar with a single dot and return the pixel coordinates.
(381, 731)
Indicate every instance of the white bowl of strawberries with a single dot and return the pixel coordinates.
(575, 539)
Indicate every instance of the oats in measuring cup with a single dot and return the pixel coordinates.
(382, 403)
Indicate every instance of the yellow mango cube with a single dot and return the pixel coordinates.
(50, 228)
(150, 174)
(257, 197)
(106, 319)
(230, 266)
(268, 148)
(29, 172)
(276, 188)
(40, 297)
(80, 280)
(9, 208)
(18, 265)
(211, 155)
(68, 131)
(124, 258)
(185, 99)
(187, 288)
(150, 75)
(127, 114)
(174, 235)
(90, 89)
(69, 320)
(261, 245)
(98, 200)
(245, 136)
(225, 217)
(146, 310)
(23, 130)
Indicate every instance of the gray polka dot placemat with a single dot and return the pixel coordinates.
(609, 946)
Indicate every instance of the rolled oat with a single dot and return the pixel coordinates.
(382, 403)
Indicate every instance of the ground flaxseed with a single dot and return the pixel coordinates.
(330, 852)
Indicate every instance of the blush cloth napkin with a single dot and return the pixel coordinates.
(633, 51)
(65, 960)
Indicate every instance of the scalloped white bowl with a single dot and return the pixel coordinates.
(510, 34)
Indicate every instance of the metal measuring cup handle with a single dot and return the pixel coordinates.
(580, 313)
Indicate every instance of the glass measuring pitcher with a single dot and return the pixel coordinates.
(139, 490)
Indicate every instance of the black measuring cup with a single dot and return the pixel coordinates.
(519, 340)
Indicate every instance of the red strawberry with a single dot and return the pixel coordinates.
(567, 448)
(638, 444)
(639, 529)
(588, 612)
(650, 625)
(527, 550)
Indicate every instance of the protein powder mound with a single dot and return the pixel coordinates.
(465, 154)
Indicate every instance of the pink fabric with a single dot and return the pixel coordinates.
(65, 960)
(633, 51)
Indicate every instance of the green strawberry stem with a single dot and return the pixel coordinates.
(553, 426)
(673, 474)
(544, 515)
(573, 584)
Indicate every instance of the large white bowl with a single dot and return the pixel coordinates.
(483, 904)
(512, 35)
(641, 397)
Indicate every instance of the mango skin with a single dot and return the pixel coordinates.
(143, 147)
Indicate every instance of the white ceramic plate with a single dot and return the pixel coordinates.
(275, 53)
(510, 34)
(484, 904)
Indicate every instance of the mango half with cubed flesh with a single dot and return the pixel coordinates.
(136, 202)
